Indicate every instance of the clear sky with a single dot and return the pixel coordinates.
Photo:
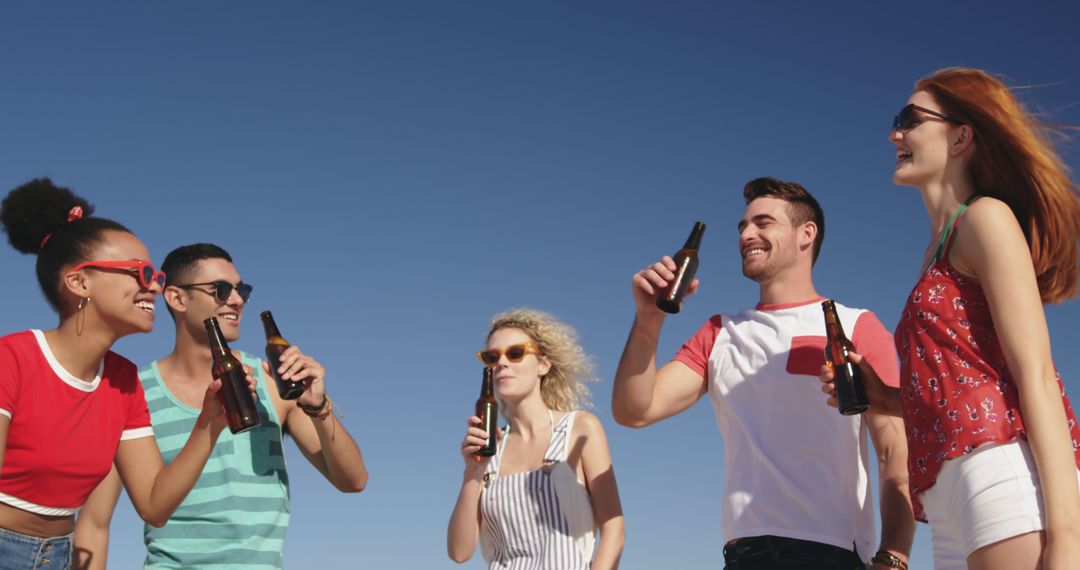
(391, 175)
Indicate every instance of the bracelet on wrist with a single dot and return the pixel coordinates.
(889, 559)
(320, 411)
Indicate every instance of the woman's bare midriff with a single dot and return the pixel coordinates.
(33, 524)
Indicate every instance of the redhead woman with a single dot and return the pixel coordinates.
(540, 500)
(993, 445)
(70, 408)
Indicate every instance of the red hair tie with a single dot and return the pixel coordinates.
(75, 213)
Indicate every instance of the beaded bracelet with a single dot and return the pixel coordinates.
(889, 559)
(321, 411)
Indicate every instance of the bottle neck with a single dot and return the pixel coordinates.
(833, 328)
(488, 388)
(694, 241)
(218, 346)
(269, 326)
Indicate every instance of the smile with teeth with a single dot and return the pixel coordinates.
(902, 155)
(753, 252)
(145, 305)
(230, 317)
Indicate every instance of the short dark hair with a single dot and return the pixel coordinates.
(802, 207)
(180, 263)
(36, 217)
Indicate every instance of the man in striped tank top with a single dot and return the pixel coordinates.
(238, 511)
(796, 488)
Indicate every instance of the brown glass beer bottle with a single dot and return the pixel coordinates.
(686, 263)
(487, 409)
(235, 395)
(850, 393)
(275, 346)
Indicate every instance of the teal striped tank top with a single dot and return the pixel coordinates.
(236, 515)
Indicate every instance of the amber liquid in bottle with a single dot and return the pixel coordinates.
(275, 346)
(239, 402)
(850, 393)
(686, 263)
(487, 409)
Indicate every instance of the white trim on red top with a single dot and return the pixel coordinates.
(136, 433)
(68, 378)
(36, 508)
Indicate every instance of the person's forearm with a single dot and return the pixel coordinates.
(462, 533)
(344, 463)
(635, 378)
(175, 480)
(897, 518)
(1051, 448)
(889, 402)
(90, 547)
(610, 549)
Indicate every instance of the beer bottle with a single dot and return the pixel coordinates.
(686, 263)
(235, 395)
(850, 393)
(275, 346)
(487, 409)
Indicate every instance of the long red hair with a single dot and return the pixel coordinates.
(1015, 162)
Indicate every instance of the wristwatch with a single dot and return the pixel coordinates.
(889, 559)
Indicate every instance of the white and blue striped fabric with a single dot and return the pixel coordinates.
(541, 519)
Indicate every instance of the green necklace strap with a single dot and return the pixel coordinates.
(948, 228)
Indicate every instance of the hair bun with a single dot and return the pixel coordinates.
(36, 209)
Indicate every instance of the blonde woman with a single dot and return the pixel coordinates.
(540, 500)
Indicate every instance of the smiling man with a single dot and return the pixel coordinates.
(238, 511)
(796, 485)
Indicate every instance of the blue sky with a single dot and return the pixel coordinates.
(391, 175)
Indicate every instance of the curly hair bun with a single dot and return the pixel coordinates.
(36, 209)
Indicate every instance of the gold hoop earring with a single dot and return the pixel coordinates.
(80, 317)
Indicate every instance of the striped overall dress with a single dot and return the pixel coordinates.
(541, 519)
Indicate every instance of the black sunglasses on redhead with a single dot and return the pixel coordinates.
(222, 289)
(906, 119)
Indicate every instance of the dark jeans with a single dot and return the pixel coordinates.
(778, 552)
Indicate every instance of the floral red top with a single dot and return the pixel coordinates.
(955, 386)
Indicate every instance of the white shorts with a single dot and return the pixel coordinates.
(986, 496)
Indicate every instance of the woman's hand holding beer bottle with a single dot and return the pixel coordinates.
(883, 399)
(213, 410)
(476, 438)
(478, 447)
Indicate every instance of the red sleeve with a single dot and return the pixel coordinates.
(137, 419)
(875, 343)
(695, 352)
(9, 380)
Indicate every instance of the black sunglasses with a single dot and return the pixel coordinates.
(906, 119)
(222, 289)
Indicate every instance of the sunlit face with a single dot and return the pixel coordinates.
(202, 303)
(922, 152)
(768, 242)
(516, 380)
(116, 296)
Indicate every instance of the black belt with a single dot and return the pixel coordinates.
(757, 548)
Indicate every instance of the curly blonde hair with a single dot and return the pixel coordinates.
(563, 387)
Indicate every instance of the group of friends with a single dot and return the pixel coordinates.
(971, 427)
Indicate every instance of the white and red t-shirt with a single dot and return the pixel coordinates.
(64, 431)
(793, 466)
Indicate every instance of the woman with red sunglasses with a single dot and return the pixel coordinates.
(993, 445)
(69, 407)
(540, 500)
